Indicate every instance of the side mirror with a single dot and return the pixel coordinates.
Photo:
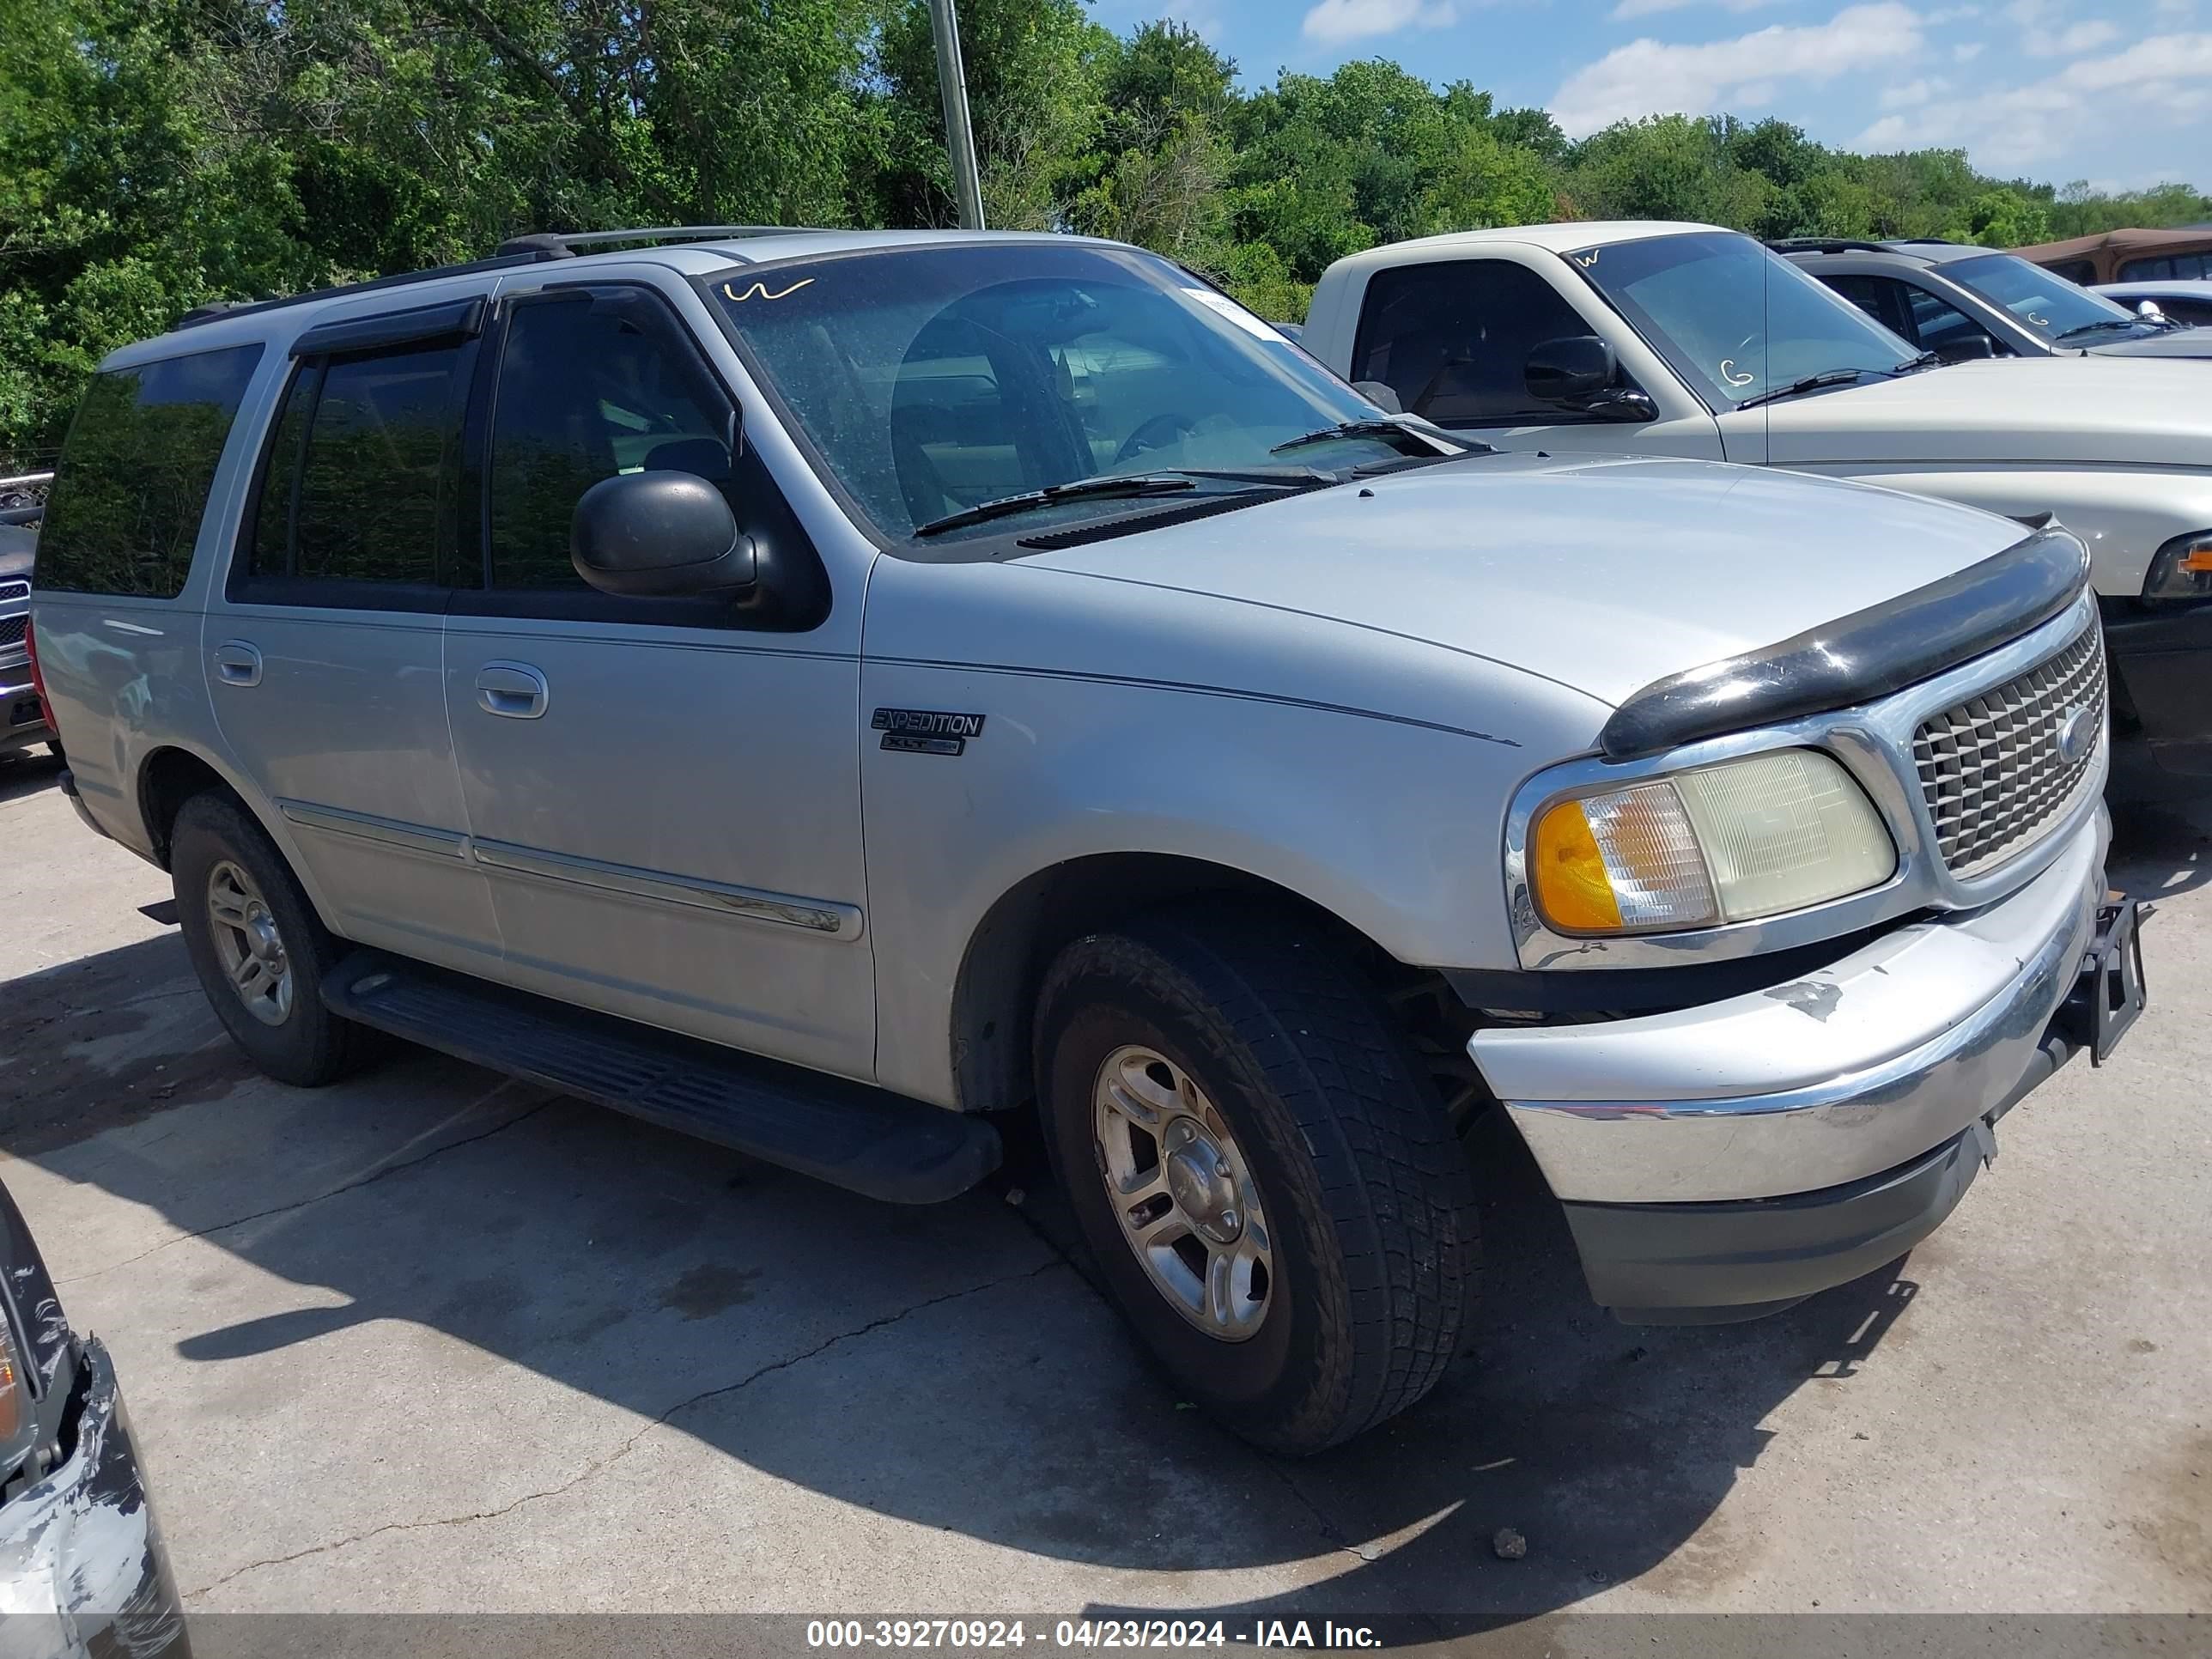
(1583, 373)
(1969, 348)
(658, 535)
(1573, 371)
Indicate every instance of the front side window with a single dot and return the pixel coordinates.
(1452, 340)
(2045, 302)
(587, 388)
(1735, 321)
(359, 482)
(1939, 326)
(933, 380)
(1881, 298)
(135, 473)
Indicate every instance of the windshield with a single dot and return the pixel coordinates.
(1734, 320)
(2043, 299)
(933, 380)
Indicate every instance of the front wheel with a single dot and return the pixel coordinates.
(1270, 1187)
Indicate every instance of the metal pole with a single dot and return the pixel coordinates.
(959, 136)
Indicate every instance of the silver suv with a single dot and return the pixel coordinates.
(819, 691)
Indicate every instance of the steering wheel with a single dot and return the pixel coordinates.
(1155, 433)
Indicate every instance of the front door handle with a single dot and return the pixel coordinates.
(512, 690)
(237, 663)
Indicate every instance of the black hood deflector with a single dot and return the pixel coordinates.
(1858, 658)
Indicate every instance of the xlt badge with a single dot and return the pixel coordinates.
(925, 731)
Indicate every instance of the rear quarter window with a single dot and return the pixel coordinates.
(133, 480)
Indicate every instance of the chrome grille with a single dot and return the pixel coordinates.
(12, 629)
(12, 590)
(1991, 768)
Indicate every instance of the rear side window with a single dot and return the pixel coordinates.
(2166, 268)
(1452, 340)
(135, 473)
(360, 481)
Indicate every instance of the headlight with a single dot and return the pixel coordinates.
(2183, 568)
(1747, 838)
(19, 1428)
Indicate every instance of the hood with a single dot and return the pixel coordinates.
(2175, 343)
(2088, 409)
(1599, 574)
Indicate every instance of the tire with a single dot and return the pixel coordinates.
(216, 842)
(1372, 1257)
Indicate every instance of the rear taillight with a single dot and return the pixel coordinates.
(37, 680)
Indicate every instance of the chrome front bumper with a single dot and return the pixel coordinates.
(1852, 1071)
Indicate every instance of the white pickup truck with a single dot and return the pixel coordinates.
(1685, 339)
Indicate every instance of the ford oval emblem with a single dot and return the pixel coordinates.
(2077, 733)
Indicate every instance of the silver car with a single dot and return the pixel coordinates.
(820, 690)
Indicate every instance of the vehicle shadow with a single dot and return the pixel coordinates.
(2161, 849)
(996, 1397)
(28, 773)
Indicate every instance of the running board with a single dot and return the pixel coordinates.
(887, 1146)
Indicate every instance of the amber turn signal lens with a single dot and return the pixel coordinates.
(11, 1399)
(1568, 872)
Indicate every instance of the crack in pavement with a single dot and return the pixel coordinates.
(627, 1446)
(1332, 1534)
(342, 1188)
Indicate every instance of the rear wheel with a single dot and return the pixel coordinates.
(256, 945)
(1269, 1185)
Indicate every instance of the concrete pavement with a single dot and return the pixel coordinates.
(433, 1341)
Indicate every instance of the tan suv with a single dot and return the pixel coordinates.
(2126, 256)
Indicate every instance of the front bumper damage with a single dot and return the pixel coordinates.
(83, 1574)
(1721, 1162)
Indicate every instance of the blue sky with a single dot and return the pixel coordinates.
(2051, 90)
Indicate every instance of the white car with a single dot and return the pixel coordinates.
(1686, 340)
(2186, 300)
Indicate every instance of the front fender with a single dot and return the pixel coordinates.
(1392, 827)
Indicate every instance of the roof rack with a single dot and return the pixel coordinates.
(1827, 245)
(562, 244)
(529, 249)
(214, 308)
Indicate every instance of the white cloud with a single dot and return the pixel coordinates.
(1913, 93)
(1646, 77)
(2160, 81)
(2074, 40)
(1966, 50)
(1628, 9)
(1352, 20)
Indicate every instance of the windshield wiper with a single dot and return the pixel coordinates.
(1128, 484)
(1164, 480)
(1385, 429)
(1810, 383)
(2101, 326)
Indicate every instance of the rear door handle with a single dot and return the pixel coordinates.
(237, 663)
(512, 690)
